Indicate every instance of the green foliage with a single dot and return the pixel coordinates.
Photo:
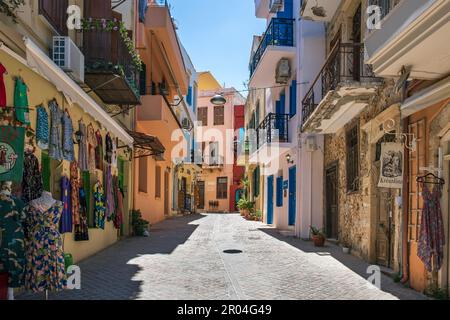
(316, 232)
(437, 293)
(245, 204)
(139, 224)
(9, 7)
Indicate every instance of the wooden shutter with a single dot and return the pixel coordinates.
(219, 116)
(202, 116)
(143, 174)
(55, 11)
(221, 188)
(157, 182)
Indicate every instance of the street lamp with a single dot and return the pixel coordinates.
(218, 100)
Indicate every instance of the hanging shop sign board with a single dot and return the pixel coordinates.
(12, 140)
(391, 175)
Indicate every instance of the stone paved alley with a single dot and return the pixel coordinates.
(184, 259)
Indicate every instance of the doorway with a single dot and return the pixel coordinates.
(292, 195)
(332, 203)
(270, 200)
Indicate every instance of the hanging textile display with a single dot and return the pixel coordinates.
(82, 229)
(66, 216)
(42, 128)
(118, 217)
(92, 144)
(32, 185)
(391, 175)
(82, 147)
(99, 150)
(110, 203)
(68, 148)
(2, 86)
(44, 249)
(114, 153)
(99, 206)
(55, 149)
(12, 141)
(12, 250)
(21, 101)
(432, 237)
(109, 148)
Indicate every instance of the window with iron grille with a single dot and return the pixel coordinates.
(352, 159)
(202, 116)
(219, 116)
(221, 188)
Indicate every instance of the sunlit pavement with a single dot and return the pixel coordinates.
(185, 258)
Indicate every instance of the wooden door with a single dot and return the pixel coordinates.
(292, 195)
(270, 200)
(201, 195)
(417, 159)
(332, 203)
(166, 193)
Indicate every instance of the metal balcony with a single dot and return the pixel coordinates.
(274, 128)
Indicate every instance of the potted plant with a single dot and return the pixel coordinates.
(139, 225)
(317, 236)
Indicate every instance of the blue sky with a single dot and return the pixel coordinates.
(218, 36)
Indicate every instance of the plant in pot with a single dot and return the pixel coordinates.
(317, 236)
(139, 225)
(241, 206)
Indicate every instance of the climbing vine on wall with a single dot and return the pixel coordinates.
(9, 7)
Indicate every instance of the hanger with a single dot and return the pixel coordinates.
(423, 179)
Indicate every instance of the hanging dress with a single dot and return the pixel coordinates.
(32, 184)
(82, 229)
(44, 250)
(21, 101)
(68, 148)
(110, 202)
(82, 147)
(109, 148)
(99, 206)
(42, 128)
(74, 194)
(432, 237)
(118, 217)
(99, 150)
(55, 149)
(12, 248)
(2, 87)
(92, 144)
(66, 216)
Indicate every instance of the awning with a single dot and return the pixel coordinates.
(147, 146)
(39, 61)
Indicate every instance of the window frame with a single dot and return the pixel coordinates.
(202, 116)
(222, 194)
(219, 116)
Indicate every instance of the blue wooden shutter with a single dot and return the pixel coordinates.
(189, 96)
(279, 191)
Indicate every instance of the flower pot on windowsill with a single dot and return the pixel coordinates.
(318, 240)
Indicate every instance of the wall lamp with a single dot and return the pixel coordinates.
(289, 159)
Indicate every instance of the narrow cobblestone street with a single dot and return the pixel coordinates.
(184, 258)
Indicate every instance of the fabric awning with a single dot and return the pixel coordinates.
(39, 61)
(147, 146)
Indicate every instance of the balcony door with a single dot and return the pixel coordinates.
(356, 35)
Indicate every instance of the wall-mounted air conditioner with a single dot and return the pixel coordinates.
(68, 57)
(275, 5)
(283, 71)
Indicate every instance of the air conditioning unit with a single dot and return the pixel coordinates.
(275, 5)
(68, 57)
(283, 72)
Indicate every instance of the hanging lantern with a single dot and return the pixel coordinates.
(218, 100)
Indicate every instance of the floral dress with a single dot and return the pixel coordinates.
(44, 250)
(42, 128)
(92, 144)
(56, 148)
(99, 206)
(68, 148)
(110, 202)
(32, 185)
(12, 249)
(99, 150)
(82, 148)
(66, 216)
(82, 229)
(118, 217)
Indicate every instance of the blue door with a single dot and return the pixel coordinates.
(292, 195)
(270, 200)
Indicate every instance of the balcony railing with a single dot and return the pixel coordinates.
(274, 128)
(213, 161)
(279, 33)
(345, 63)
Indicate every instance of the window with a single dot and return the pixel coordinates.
(157, 182)
(143, 174)
(202, 116)
(279, 191)
(221, 188)
(219, 116)
(256, 177)
(352, 159)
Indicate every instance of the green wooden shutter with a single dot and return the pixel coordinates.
(46, 172)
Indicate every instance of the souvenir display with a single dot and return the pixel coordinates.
(82, 147)
(12, 141)
(44, 248)
(118, 216)
(82, 229)
(42, 128)
(12, 249)
(92, 144)
(2, 86)
(99, 206)
(110, 203)
(32, 185)
(21, 101)
(66, 216)
(99, 150)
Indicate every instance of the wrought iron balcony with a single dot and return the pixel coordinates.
(280, 33)
(274, 128)
(213, 162)
(345, 64)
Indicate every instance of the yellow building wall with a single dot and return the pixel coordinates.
(40, 92)
(206, 82)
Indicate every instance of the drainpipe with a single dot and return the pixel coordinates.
(405, 205)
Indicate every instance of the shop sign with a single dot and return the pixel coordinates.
(12, 140)
(391, 175)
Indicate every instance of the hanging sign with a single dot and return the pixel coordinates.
(12, 140)
(391, 175)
